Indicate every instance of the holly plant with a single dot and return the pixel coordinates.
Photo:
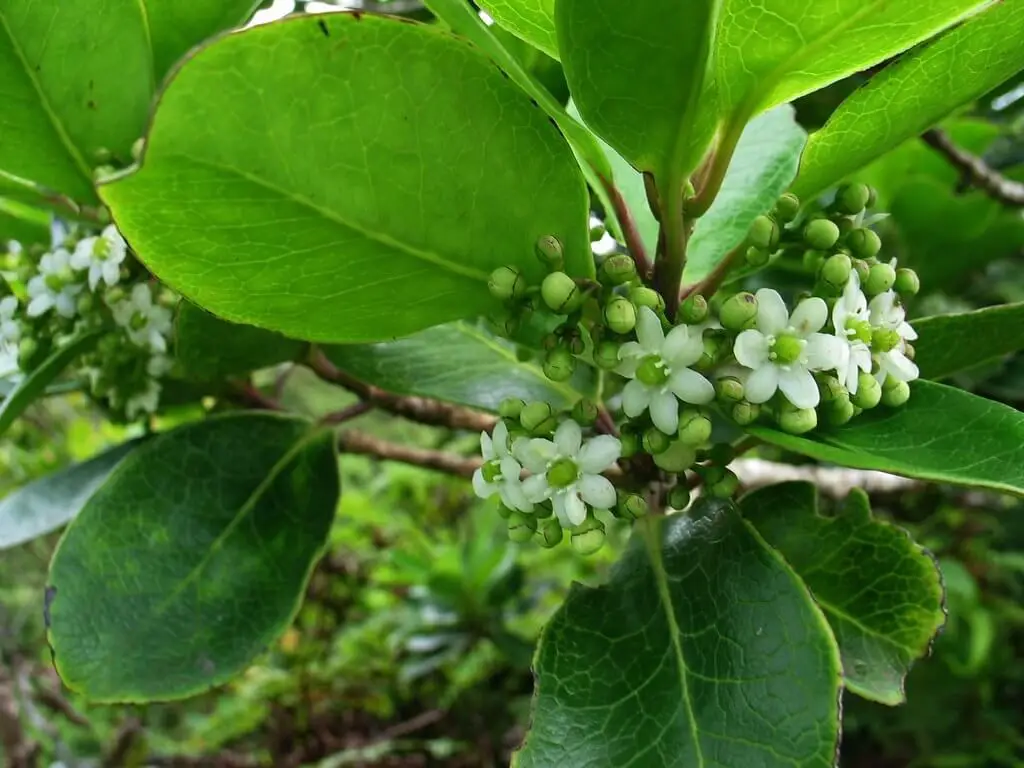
(400, 209)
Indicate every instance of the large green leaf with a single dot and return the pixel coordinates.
(763, 165)
(191, 558)
(456, 362)
(947, 344)
(531, 20)
(210, 348)
(636, 75)
(704, 649)
(65, 100)
(881, 593)
(772, 51)
(46, 504)
(177, 25)
(23, 223)
(915, 93)
(409, 170)
(942, 434)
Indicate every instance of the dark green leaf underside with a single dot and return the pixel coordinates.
(947, 344)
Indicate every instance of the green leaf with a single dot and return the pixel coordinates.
(64, 101)
(762, 167)
(881, 593)
(46, 504)
(34, 385)
(772, 51)
(636, 76)
(201, 542)
(385, 203)
(176, 25)
(531, 20)
(948, 344)
(942, 434)
(689, 656)
(913, 94)
(23, 223)
(210, 348)
(457, 362)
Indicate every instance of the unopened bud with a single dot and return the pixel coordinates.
(550, 533)
(756, 257)
(620, 314)
(646, 297)
(739, 312)
(677, 458)
(864, 243)
(559, 364)
(618, 269)
(713, 346)
(838, 412)
(521, 528)
(588, 537)
(655, 441)
(679, 496)
(821, 234)
(907, 282)
(745, 414)
(504, 512)
(869, 391)
(863, 270)
(813, 260)
(693, 310)
(880, 279)
(797, 421)
(852, 198)
(787, 207)
(606, 355)
(585, 412)
(631, 444)
(537, 418)
(560, 293)
(27, 350)
(896, 395)
(764, 233)
(631, 507)
(694, 427)
(725, 485)
(830, 388)
(597, 231)
(836, 270)
(549, 251)
(728, 389)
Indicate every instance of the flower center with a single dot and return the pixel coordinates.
(884, 340)
(101, 248)
(491, 470)
(138, 321)
(54, 281)
(652, 371)
(786, 349)
(858, 329)
(562, 473)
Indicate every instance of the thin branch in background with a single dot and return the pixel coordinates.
(710, 284)
(347, 414)
(127, 735)
(363, 444)
(835, 482)
(634, 242)
(19, 750)
(252, 396)
(975, 171)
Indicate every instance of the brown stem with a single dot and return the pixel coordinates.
(976, 171)
(711, 283)
(347, 414)
(634, 242)
(363, 444)
(252, 396)
(701, 202)
(668, 270)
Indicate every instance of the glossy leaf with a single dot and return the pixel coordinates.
(636, 76)
(913, 94)
(64, 101)
(210, 348)
(201, 541)
(941, 434)
(688, 656)
(176, 25)
(531, 20)
(948, 344)
(46, 504)
(385, 204)
(763, 166)
(22, 223)
(881, 593)
(772, 51)
(456, 362)
(35, 384)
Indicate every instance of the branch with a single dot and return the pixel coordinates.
(711, 283)
(20, 750)
(976, 171)
(368, 445)
(836, 482)
(634, 242)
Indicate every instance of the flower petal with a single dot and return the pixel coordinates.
(8, 306)
(900, 366)
(82, 257)
(826, 353)
(558, 504)
(772, 315)
(536, 488)
(536, 453)
(751, 349)
(648, 331)
(599, 453)
(683, 346)
(636, 397)
(481, 487)
(575, 509)
(665, 412)
(40, 304)
(568, 438)
(514, 497)
(762, 384)
(691, 387)
(597, 491)
(487, 446)
(65, 304)
(499, 440)
(799, 387)
(809, 316)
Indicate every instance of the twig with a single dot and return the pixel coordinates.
(367, 445)
(835, 482)
(421, 409)
(715, 174)
(347, 414)
(710, 284)
(127, 735)
(20, 750)
(411, 725)
(976, 171)
(57, 703)
(252, 396)
(634, 242)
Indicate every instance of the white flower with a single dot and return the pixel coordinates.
(8, 359)
(852, 323)
(145, 401)
(146, 323)
(159, 365)
(52, 287)
(568, 471)
(500, 471)
(784, 349)
(10, 330)
(888, 314)
(659, 367)
(102, 256)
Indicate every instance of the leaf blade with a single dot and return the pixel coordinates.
(530, 20)
(948, 344)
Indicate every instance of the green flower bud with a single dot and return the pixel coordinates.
(813, 260)
(908, 351)
(757, 257)
(679, 496)
(504, 512)
(869, 391)
(585, 412)
(646, 297)
(721, 454)
(507, 323)
(713, 346)
(863, 270)
(631, 507)
(550, 534)
(115, 295)
(85, 303)
(631, 444)
(836, 270)
(620, 315)
(521, 527)
(852, 198)
(560, 293)
(787, 207)
(798, 421)
(725, 485)
(655, 441)
(694, 427)
(872, 197)
(739, 312)
(845, 226)
(27, 350)
(597, 231)
(907, 282)
(537, 418)
(559, 364)
(510, 408)
(693, 310)
(830, 388)
(864, 243)
(896, 395)
(728, 390)
(588, 537)
(618, 269)
(839, 411)
(880, 279)
(764, 233)
(821, 234)
(606, 354)
(549, 251)
(677, 458)
(745, 414)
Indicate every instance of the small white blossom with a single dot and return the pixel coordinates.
(852, 323)
(500, 471)
(887, 313)
(144, 402)
(568, 471)
(10, 329)
(146, 323)
(659, 367)
(53, 288)
(8, 359)
(159, 365)
(783, 350)
(101, 256)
